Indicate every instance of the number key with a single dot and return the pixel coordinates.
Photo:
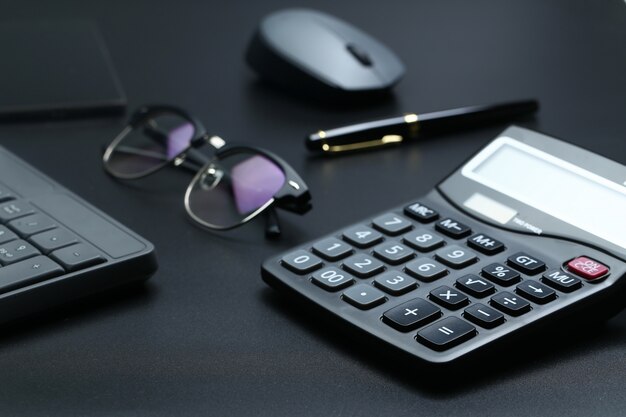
(332, 279)
(332, 249)
(395, 283)
(426, 269)
(423, 240)
(392, 224)
(301, 262)
(363, 265)
(393, 252)
(362, 236)
(16, 251)
(456, 256)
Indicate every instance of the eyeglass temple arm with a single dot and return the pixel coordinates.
(272, 225)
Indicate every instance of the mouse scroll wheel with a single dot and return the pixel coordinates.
(360, 54)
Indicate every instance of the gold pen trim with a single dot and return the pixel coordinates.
(412, 119)
(385, 140)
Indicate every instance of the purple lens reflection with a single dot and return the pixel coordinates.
(254, 182)
(178, 139)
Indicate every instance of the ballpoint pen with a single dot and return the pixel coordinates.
(413, 126)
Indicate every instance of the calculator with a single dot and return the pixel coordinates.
(529, 234)
(56, 247)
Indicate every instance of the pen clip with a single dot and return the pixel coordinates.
(384, 141)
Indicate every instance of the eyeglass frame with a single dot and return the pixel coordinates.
(293, 195)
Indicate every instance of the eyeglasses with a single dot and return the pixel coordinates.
(230, 188)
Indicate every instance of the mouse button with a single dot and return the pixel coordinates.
(360, 54)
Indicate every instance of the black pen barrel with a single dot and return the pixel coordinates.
(474, 116)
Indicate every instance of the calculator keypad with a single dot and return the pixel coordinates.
(435, 285)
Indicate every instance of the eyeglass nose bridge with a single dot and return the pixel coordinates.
(211, 177)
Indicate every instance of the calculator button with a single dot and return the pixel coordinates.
(501, 274)
(423, 240)
(587, 268)
(483, 316)
(14, 209)
(395, 283)
(363, 265)
(15, 251)
(421, 213)
(362, 236)
(526, 263)
(301, 262)
(510, 303)
(392, 224)
(6, 235)
(426, 269)
(535, 291)
(446, 333)
(332, 279)
(475, 285)
(77, 257)
(485, 244)
(448, 297)
(364, 296)
(5, 195)
(28, 272)
(562, 281)
(453, 228)
(455, 256)
(35, 223)
(411, 315)
(53, 239)
(393, 252)
(332, 249)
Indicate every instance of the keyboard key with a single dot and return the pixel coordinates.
(393, 252)
(526, 263)
(485, 244)
(6, 235)
(301, 262)
(455, 256)
(426, 269)
(421, 213)
(446, 333)
(423, 240)
(332, 279)
(14, 209)
(475, 285)
(77, 257)
(395, 283)
(483, 316)
(364, 296)
(535, 291)
(53, 239)
(34, 223)
(363, 265)
(510, 303)
(15, 251)
(332, 249)
(448, 297)
(362, 236)
(392, 224)
(587, 268)
(411, 315)
(501, 274)
(562, 281)
(5, 195)
(28, 272)
(453, 228)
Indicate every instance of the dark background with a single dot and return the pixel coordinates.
(206, 336)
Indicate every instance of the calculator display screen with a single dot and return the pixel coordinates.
(554, 186)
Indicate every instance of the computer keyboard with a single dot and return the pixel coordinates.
(55, 247)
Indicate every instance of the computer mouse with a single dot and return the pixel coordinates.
(316, 54)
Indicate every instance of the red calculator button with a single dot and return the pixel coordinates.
(587, 268)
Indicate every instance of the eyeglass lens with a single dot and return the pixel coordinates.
(152, 144)
(229, 191)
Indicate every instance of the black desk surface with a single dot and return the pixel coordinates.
(206, 336)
